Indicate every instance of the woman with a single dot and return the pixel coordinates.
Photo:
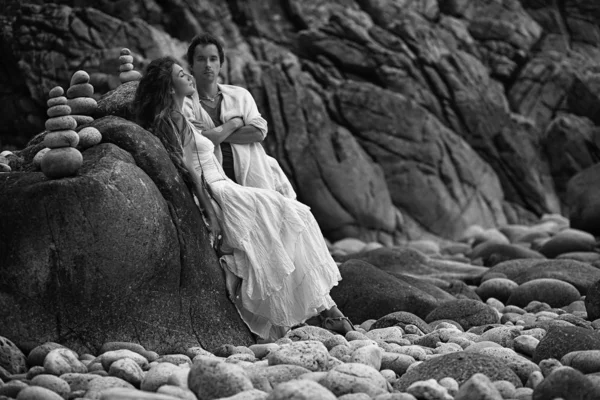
(278, 251)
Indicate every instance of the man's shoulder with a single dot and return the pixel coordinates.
(232, 89)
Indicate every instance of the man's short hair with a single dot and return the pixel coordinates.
(204, 39)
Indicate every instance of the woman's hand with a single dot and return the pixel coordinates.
(215, 229)
(199, 124)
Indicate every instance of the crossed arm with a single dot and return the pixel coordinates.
(233, 131)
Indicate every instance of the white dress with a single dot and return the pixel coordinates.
(278, 249)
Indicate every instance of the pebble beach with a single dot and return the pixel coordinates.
(527, 330)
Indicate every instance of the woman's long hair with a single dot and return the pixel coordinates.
(153, 105)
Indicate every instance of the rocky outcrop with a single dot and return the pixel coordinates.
(117, 253)
(393, 121)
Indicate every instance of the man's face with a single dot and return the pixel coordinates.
(206, 63)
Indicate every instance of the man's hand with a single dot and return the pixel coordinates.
(237, 121)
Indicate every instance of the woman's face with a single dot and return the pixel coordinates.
(183, 84)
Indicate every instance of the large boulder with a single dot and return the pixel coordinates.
(460, 366)
(367, 293)
(579, 274)
(404, 260)
(561, 340)
(583, 197)
(117, 253)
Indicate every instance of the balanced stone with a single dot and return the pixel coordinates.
(89, 137)
(83, 105)
(129, 76)
(82, 119)
(58, 111)
(63, 138)
(80, 90)
(57, 101)
(5, 168)
(125, 67)
(65, 122)
(56, 91)
(126, 59)
(80, 77)
(37, 161)
(62, 162)
(125, 51)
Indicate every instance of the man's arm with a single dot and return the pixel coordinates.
(220, 133)
(245, 135)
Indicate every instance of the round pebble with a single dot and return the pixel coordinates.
(51, 382)
(5, 168)
(212, 378)
(38, 393)
(61, 361)
(125, 51)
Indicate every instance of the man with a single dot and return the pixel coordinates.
(221, 109)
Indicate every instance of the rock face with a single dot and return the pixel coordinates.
(117, 253)
(393, 122)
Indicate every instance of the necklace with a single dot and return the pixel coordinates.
(211, 99)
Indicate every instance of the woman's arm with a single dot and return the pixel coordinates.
(199, 190)
(204, 200)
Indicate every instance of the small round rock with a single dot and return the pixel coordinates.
(60, 163)
(80, 77)
(80, 90)
(300, 389)
(58, 111)
(56, 91)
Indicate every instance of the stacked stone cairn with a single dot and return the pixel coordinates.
(80, 99)
(127, 73)
(4, 167)
(62, 159)
(84, 106)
